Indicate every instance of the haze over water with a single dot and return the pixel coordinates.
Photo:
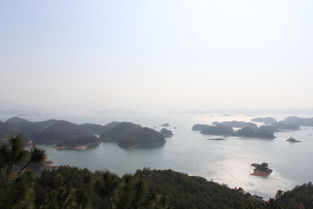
(226, 162)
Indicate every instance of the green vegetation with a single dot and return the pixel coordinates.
(73, 188)
(226, 129)
(300, 197)
(67, 135)
(16, 184)
(130, 135)
(83, 141)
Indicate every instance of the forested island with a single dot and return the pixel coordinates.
(67, 135)
(130, 135)
(220, 129)
(69, 187)
(289, 123)
(166, 133)
(252, 130)
(261, 169)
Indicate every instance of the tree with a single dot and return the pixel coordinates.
(107, 186)
(14, 158)
(16, 182)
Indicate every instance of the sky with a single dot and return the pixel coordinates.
(157, 55)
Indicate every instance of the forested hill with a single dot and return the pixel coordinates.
(71, 188)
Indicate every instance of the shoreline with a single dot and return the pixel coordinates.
(76, 147)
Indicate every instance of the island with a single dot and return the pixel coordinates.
(114, 131)
(285, 126)
(220, 129)
(165, 125)
(299, 121)
(289, 124)
(129, 135)
(236, 124)
(141, 138)
(292, 140)
(216, 139)
(166, 133)
(67, 135)
(79, 143)
(262, 132)
(199, 127)
(261, 169)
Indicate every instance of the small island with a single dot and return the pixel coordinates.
(199, 127)
(261, 169)
(292, 140)
(216, 139)
(165, 125)
(166, 133)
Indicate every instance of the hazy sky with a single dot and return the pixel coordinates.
(157, 55)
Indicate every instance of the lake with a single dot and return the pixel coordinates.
(226, 162)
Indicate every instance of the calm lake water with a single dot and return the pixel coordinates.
(226, 162)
